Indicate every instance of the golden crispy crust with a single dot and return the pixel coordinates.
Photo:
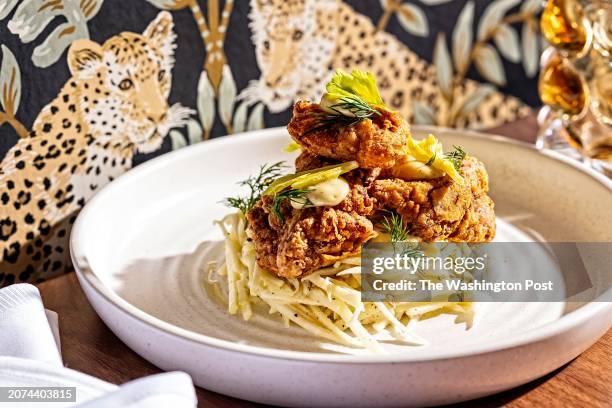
(311, 238)
(434, 209)
(478, 224)
(440, 209)
(437, 209)
(377, 142)
(308, 161)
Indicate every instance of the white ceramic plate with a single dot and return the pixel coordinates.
(140, 247)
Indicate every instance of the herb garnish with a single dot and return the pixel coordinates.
(298, 196)
(399, 235)
(349, 98)
(326, 121)
(256, 184)
(395, 227)
(354, 105)
(456, 156)
(309, 178)
(429, 151)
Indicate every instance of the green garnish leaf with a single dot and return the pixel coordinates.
(399, 236)
(357, 86)
(456, 156)
(349, 98)
(326, 121)
(268, 173)
(298, 196)
(429, 151)
(292, 147)
(395, 227)
(347, 107)
(309, 178)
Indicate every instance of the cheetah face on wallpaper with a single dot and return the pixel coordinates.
(294, 41)
(124, 86)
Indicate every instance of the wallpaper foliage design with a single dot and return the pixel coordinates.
(89, 88)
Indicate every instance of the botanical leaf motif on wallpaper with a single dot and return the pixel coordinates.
(492, 17)
(471, 102)
(170, 4)
(489, 64)
(177, 139)
(227, 97)
(435, 2)
(194, 135)
(530, 38)
(206, 103)
(194, 131)
(10, 91)
(496, 24)
(212, 31)
(507, 42)
(494, 27)
(240, 117)
(256, 120)
(410, 16)
(33, 16)
(423, 114)
(216, 87)
(463, 38)
(10, 82)
(444, 67)
(6, 6)
(236, 119)
(413, 19)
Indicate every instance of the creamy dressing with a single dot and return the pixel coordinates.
(325, 194)
(414, 170)
(331, 106)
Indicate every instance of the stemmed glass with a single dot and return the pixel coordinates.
(575, 81)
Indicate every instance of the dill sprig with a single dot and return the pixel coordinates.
(399, 235)
(296, 195)
(325, 121)
(456, 156)
(356, 106)
(395, 227)
(256, 185)
(359, 110)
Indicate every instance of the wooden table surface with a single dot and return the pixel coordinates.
(89, 346)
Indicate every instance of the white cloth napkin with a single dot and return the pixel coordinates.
(26, 329)
(30, 356)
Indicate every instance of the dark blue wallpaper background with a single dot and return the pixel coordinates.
(39, 86)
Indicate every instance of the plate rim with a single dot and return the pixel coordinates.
(88, 276)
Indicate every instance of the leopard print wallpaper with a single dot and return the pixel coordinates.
(92, 88)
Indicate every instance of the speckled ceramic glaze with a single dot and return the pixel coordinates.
(140, 248)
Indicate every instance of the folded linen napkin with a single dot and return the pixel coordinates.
(26, 329)
(30, 356)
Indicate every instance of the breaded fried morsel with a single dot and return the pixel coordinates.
(358, 166)
(309, 161)
(378, 141)
(310, 238)
(440, 209)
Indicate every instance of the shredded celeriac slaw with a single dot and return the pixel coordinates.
(327, 302)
